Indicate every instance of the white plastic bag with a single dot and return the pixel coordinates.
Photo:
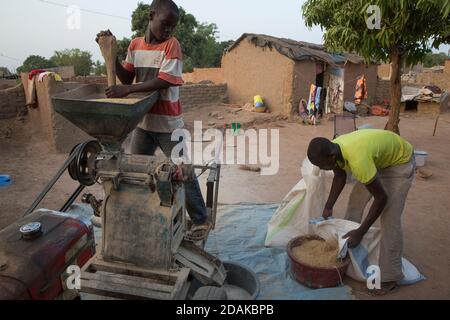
(305, 201)
(366, 254)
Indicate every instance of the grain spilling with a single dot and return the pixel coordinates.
(317, 253)
(118, 101)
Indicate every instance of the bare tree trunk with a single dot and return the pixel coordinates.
(396, 91)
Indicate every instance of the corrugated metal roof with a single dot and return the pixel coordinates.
(299, 50)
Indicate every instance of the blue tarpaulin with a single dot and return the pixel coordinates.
(239, 236)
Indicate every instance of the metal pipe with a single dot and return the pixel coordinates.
(216, 195)
(210, 189)
(215, 168)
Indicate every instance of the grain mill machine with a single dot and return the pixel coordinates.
(143, 253)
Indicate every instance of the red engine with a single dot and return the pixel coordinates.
(36, 251)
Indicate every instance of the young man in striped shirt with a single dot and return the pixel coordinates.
(155, 62)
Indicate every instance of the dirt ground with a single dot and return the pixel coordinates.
(27, 158)
(218, 117)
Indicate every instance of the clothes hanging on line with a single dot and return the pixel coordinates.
(56, 76)
(315, 94)
(361, 89)
(317, 98)
(312, 97)
(35, 72)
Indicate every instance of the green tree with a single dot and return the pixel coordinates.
(409, 29)
(205, 50)
(198, 40)
(139, 19)
(35, 62)
(99, 68)
(80, 60)
(435, 59)
(220, 51)
(122, 48)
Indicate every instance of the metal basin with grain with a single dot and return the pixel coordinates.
(315, 277)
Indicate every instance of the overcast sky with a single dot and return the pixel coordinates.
(40, 26)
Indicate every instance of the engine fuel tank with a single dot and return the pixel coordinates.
(36, 251)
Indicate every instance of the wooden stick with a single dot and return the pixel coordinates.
(435, 125)
(108, 47)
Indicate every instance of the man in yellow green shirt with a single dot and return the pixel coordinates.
(383, 164)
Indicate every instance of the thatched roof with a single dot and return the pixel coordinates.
(298, 50)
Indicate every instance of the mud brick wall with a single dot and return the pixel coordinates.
(384, 70)
(12, 101)
(442, 80)
(198, 94)
(250, 70)
(195, 94)
(60, 134)
(90, 79)
(431, 108)
(201, 74)
(447, 66)
(382, 91)
(65, 72)
(351, 75)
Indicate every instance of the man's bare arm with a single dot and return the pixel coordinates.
(125, 76)
(339, 180)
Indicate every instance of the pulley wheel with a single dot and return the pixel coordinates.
(82, 168)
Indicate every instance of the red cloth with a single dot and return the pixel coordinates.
(34, 72)
(379, 111)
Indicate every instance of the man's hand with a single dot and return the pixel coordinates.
(103, 34)
(119, 91)
(354, 238)
(327, 213)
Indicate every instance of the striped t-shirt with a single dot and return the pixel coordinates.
(163, 61)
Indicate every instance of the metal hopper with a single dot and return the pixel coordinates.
(109, 122)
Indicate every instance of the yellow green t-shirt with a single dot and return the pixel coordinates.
(367, 151)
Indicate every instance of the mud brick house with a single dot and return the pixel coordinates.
(282, 71)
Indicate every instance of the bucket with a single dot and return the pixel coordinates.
(241, 282)
(421, 156)
(314, 277)
(366, 126)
